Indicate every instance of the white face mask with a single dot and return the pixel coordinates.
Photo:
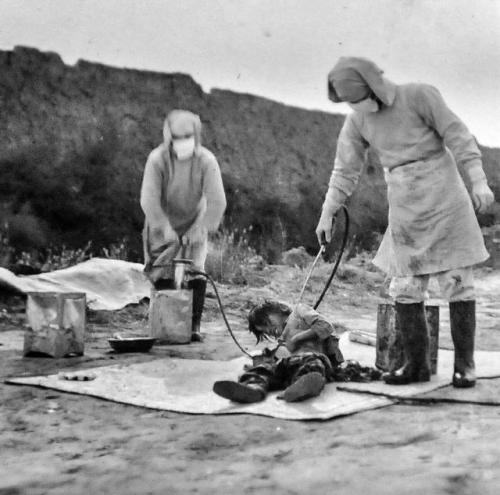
(183, 148)
(368, 105)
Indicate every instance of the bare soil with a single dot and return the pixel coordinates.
(59, 443)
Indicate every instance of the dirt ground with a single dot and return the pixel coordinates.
(58, 443)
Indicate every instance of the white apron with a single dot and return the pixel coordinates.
(432, 225)
(158, 256)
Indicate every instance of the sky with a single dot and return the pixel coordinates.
(281, 49)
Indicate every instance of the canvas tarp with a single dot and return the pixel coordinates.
(108, 284)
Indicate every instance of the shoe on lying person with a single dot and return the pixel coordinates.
(307, 386)
(239, 392)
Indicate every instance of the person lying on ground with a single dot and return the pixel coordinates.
(313, 355)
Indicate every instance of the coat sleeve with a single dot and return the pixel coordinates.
(213, 190)
(349, 160)
(151, 191)
(431, 107)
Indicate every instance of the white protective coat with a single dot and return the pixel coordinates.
(420, 143)
(177, 195)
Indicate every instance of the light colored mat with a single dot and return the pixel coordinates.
(185, 385)
(487, 366)
(108, 284)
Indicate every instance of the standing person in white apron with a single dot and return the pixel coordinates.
(183, 199)
(432, 226)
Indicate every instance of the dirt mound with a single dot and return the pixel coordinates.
(75, 140)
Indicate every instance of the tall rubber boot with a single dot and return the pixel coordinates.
(199, 287)
(413, 323)
(463, 330)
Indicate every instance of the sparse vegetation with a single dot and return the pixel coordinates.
(53, 258)
(57, 259)
(228, 254)
(118, 251)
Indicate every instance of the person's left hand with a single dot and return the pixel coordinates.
(482, 196)
(294, 342)
(196, 234)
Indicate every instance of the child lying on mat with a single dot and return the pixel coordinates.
(314, 355)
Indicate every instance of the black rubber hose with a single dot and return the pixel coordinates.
(209, 278)
(339, 257)
(327, 285)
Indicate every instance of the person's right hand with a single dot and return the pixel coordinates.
(324, 228)
(170, 235)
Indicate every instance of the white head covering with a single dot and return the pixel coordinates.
(344, 73)
(182, 123)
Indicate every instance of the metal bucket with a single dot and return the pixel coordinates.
(56, 323)
(389, 349)
(170, 316)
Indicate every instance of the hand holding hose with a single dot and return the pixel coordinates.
(325, 226)
(170, 235)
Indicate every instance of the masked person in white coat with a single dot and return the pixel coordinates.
(183, 199)
(432, 228)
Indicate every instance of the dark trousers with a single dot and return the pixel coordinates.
(282, 373)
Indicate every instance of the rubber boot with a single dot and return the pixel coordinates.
(463, 329)
(164, 284)
(415, 335)
(199, 287)
(305, 387)
(245, 393)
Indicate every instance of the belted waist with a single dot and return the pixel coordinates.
(435, 156)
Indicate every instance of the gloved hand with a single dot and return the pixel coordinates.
(196, 234)
(324, 228)
(170, 235)
(294, 343)
(482, 196)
